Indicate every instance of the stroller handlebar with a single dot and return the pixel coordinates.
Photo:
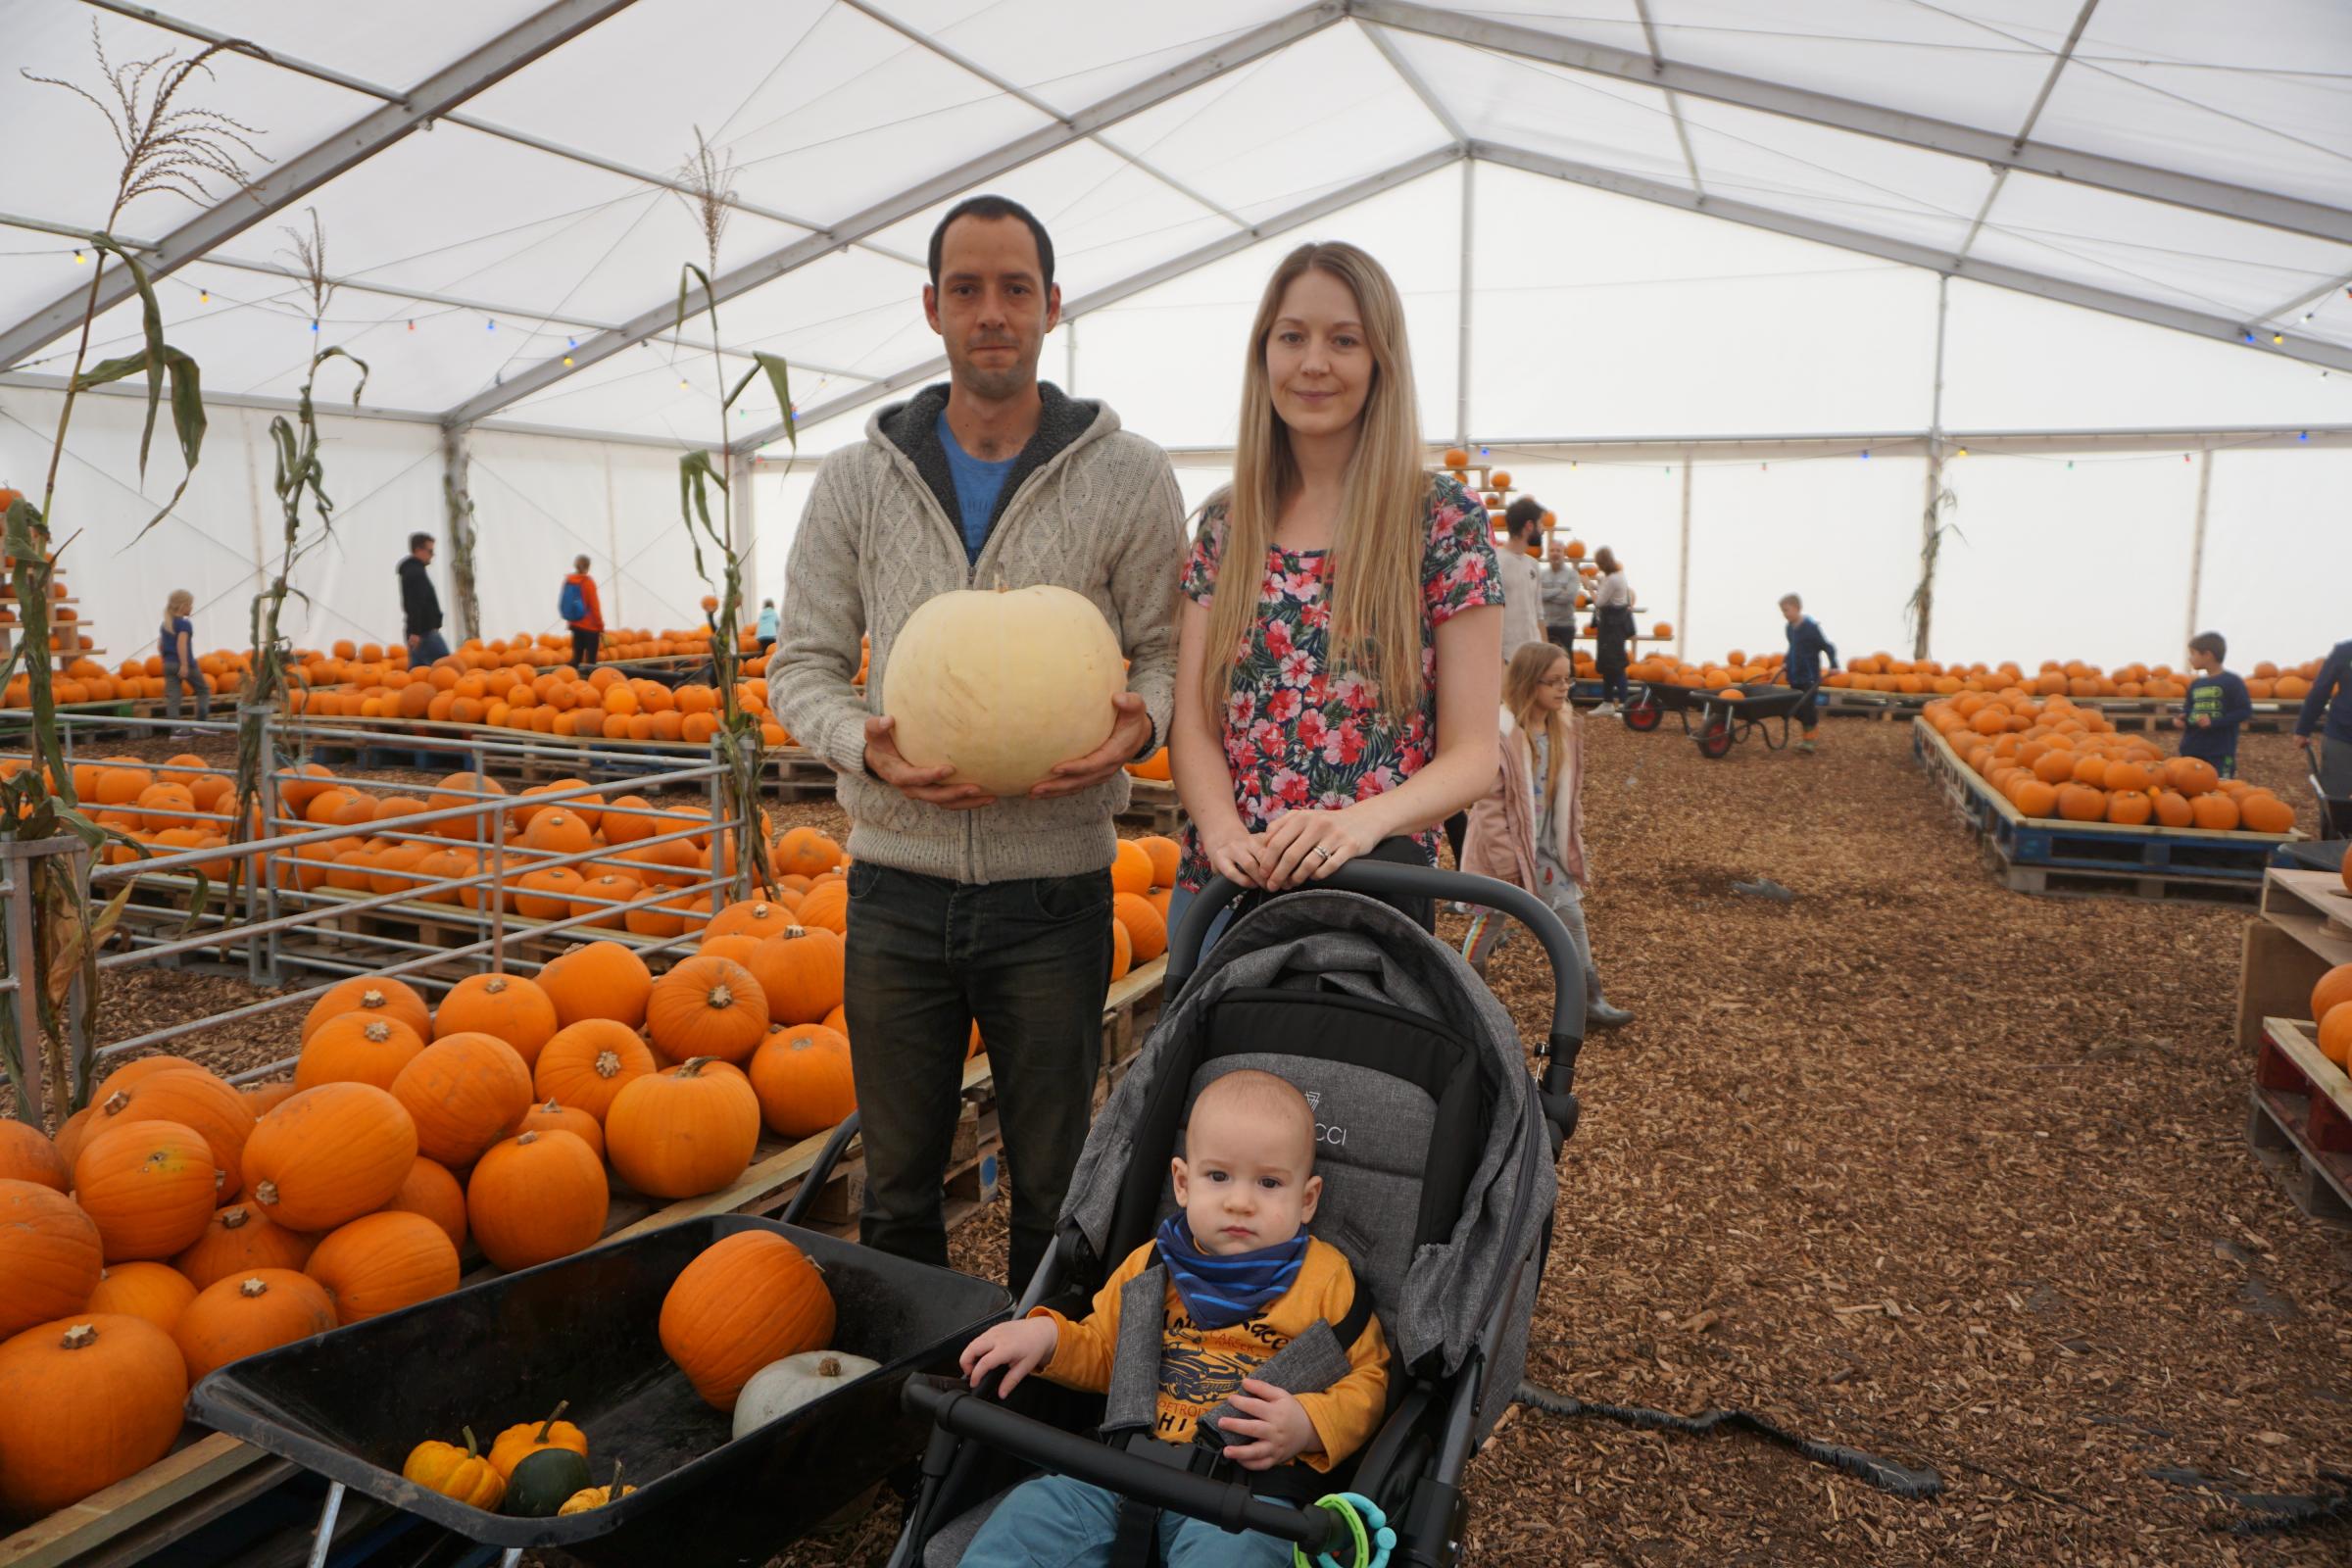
(1386, 879)
(1228, 1504)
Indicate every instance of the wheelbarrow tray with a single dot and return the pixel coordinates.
(1762, 702)
(350, 1404)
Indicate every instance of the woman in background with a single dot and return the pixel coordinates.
(1612, 629)
(175, 644)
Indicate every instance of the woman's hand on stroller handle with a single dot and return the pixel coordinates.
(1274, 1421)
(1306, 844)
(1235, 855)
(1019, 1347)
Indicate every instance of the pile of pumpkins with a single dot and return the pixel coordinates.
(2331, 1002)
(178, 1224)
(1735, 670)
(2052, 760)
(604, 704)
(1883, 672)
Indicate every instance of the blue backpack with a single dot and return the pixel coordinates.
(572, 605)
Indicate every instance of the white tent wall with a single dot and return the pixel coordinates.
(1841, 532)
(2277, 553)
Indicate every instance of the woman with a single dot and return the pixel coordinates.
(174, 643)
(1341, 705)
(1612, 628)
(1530, 830)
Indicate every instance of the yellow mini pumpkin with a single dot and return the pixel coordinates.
(455, 1472)
(588, 1498)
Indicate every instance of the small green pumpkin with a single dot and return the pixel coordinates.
(544, 1482)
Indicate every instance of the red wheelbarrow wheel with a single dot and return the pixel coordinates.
(1644, 715)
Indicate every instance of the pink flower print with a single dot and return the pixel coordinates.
(1290, 786)
(1352, 692)
(1268, 738)
(1297, 669)
(1315, 616)
(1313, 730)
(1375, 781)
(1344, 746)
(1283, 706)
(1278, 639)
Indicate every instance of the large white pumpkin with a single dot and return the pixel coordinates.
(1001, 685)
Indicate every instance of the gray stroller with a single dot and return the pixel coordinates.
(1437, 1147)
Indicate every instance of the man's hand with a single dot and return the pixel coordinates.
(1127, 738)
(2204, 721)
(413, 640)
(1019, 1347)
(1274, 1419)
(2304, 742)
(926, 784)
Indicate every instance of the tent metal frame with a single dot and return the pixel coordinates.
(439, 96)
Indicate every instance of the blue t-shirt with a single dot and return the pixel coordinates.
(2223, 700)
(170, 641)
(977, 487)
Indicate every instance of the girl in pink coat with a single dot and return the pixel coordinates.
(1530, 830)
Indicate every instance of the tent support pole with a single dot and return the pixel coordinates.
(1922, 597)
(457, 460)
(613, 544)
(1461, 362)
(2196, 547)
(1681, 568)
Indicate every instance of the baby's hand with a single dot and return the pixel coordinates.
(1019, 1347)
(1271, 1417)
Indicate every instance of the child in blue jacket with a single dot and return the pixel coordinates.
(1808, 651)
(2217, 703)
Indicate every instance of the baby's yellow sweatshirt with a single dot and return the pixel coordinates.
(1199, 1368)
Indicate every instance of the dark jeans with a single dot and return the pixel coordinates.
(430, 647)
(1457, 828)
(584, 647)
(1031, 961)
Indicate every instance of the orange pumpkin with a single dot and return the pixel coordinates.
(249, 1312)
(329, 1155)
(827, 905)
(507, 1006)
(1165, 855)
(93, 1399)
(2333, 990)
(149, 1186)
(1131, 868)
(2129, 810)
(706, 1008)
(381, 1262)
(801, 971)
(51, 1256)
(238, 1239)
(464, 1091)
(748, 1299)
(156, 1292)
(194, 1099)
(804, 851)
(431, 1190)
(1146, 930)
(590, 1062)
(370, 994)
(28, 1155)
(601, 980)
(552, 1116)
(753, 917)
(535, 1198)
(2215, 812)
(358, 1047)
(685, 1131)
(2259, 812)
(802, 1076)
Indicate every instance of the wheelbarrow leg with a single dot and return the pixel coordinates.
(510, 1557)
(327, 1525)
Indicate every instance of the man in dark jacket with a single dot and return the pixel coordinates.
(1808, 650)
(2331, 698)
(419, 605)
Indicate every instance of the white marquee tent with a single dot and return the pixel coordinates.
(1735, 285)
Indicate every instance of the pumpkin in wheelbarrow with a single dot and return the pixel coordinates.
(544, 1482)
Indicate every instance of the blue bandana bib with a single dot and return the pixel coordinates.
(1220, 1292)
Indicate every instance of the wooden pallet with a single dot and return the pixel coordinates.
(2305, 929)
(1151, 805)
(798, 774)
(2299, 1122)
(208, 1474)
(2035, 855)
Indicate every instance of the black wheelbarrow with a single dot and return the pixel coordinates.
(350, 1404)
(1725, 715)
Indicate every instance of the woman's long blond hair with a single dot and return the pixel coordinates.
(1375, 583)
(180, 602)
(1520, 682)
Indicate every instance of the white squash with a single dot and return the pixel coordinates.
(782, 1387)
(1002, 685)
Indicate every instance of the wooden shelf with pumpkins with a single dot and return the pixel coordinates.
(2064, 804)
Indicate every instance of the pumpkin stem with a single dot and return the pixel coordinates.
(372, 998)
(234, 1218)
(548, 1425)
(607, 1065)
(498, 983)
(257, 1286)
(377, 1032)
(80, 1337)
(828, 1368)
(265, 1194)
(117, 1102)
(531, 1137)
(473, 1450)
(693, 1067)
(722, 999)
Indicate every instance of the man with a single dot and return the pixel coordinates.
(963, 908)
(2328, 713)
(1563, 586)
(419, 605)
(583, 614)
(1522, 578)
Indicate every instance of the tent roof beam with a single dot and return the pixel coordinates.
(1930, 258)
(1256, 44)
(289, 181)
(1992, 147)
(2049, 84)
(1109, 294)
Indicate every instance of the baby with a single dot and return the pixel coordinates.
(1244, 1280)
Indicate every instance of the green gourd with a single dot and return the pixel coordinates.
(544, 1481)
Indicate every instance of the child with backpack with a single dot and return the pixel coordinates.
(578, 606)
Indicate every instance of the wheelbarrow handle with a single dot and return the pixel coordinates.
(1226, 1504)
